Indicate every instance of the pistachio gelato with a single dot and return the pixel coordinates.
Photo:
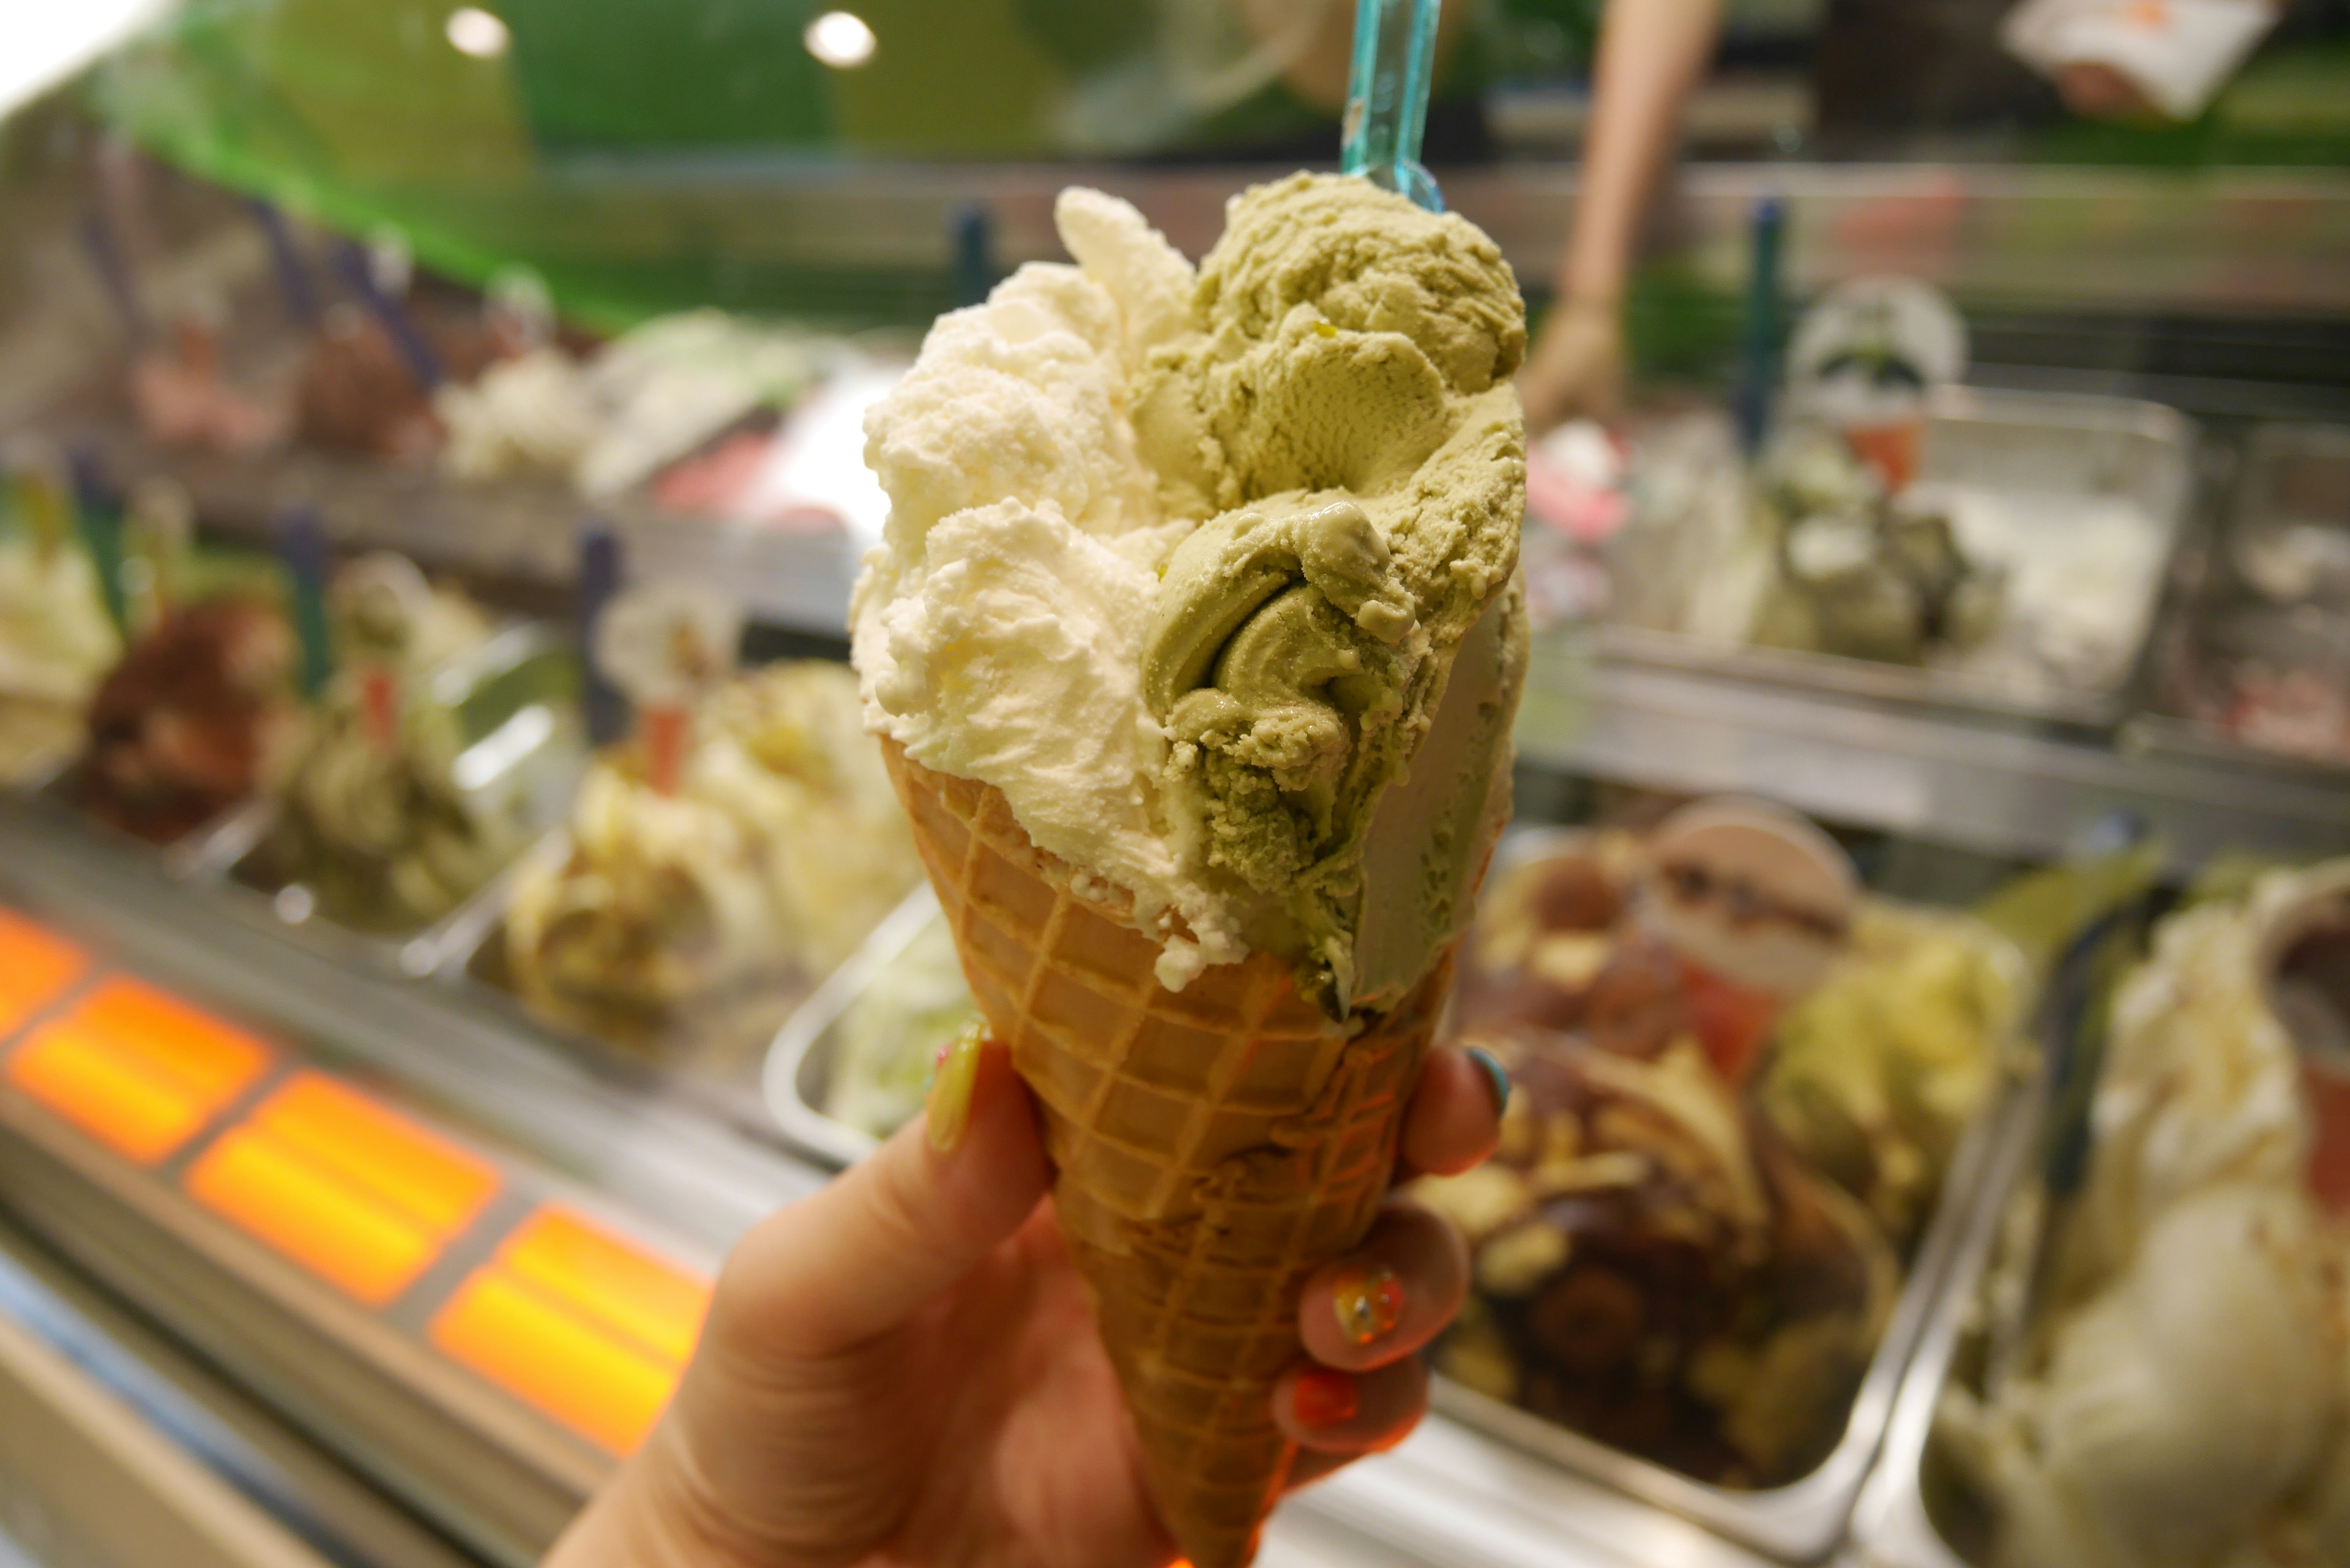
(1192, 566)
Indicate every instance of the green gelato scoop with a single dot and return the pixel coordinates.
(1231, 568)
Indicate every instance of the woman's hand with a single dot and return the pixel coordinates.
(903, 1370)
(1576, 368)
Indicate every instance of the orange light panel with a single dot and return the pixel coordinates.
(598, 1386)
(215, 1060)
(107, 1092)
(136, 1070)
(318, 1221)
(35, 968)
(608, 1282)
(385, 1156)
(357, 1194)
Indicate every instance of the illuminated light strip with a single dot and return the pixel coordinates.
(605, 1390)
(586, 1328)
(613, 1284)
(386, 1157)
(136, 1070)
(36, 969)
(107, 1093)
(214, 1060)
(309, 1217)
(358, 1195)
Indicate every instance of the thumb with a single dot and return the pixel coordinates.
(863, 1253)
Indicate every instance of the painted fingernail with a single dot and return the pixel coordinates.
(1497, 1077)
(1370, 1302)
(1321, 1397)
(949, 1110)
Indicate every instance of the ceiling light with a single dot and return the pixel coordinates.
(840, 40)
(473, 31)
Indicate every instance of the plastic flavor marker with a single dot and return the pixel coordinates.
(606, 711)
(100, 517)
(972, 232)
(285, 260)
(669, 734)
(114, 273)
(406, 336)
(1759, 355)
(1387, 100)
(302, 546)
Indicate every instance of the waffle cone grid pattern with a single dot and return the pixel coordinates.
(1212, 1146)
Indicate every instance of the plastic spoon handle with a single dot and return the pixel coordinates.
(1387, 104)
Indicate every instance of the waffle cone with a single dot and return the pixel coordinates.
(1211, 1146)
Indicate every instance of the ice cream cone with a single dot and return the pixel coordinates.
(1213, 1145)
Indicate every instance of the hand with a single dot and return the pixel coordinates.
(902, 1370)
(2096, 90)
(1576, 370)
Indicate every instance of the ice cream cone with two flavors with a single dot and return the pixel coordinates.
(1193, 643)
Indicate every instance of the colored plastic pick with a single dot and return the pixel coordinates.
(1386, 102)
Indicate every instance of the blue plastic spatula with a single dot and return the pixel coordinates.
(1387, 104)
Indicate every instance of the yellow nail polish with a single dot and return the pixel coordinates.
(1368, 1300)
(949, 1110)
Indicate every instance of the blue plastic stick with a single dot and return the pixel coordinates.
(972, 233)
(406, 336)
(302, 546)
(114, 272)
(285, 258)
(602, 703)
(1387, 104)
(1759, 355)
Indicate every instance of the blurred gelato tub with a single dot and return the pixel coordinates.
(385, 857)
(2253, 664)
(2020, 574)
(683, 926)
(2139, 1357)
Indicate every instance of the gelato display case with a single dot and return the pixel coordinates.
(403, 1006)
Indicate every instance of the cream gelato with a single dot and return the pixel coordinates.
(56, 643)
(1186, 565)
(690, 918)
(2182, 1397)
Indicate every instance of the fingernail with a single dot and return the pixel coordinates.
(1497, 1077)
(1370, 1302)
(1321, 1397)
(949, 1108)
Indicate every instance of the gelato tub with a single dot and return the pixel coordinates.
(2020, 574)
(488, 758)
(685, 926)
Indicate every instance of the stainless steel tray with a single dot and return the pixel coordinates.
(1892, 1526)
(1801, 1523)
(797, 1079)
(543, 761)
(2041, 447)
(2297, 473)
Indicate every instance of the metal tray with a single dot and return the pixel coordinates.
(545, 761)
(1800, 1522)
(2041, 447)
(1892, 1526)
(2291, 474)
(797, 1079)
